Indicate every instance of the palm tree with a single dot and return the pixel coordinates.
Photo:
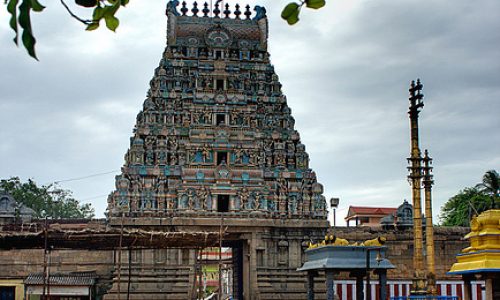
(490, 186)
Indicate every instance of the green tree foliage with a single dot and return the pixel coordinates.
(471, 201)
(20, 16)
(47, 201)
(292, 10)
(491, 186)
(458, 209)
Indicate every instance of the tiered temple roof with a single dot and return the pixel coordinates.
(215, 134)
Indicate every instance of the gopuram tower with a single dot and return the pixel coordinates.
(215, 147)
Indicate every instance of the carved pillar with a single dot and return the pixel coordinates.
(467, 288)
(488, 282)
(382, 281)
(359, 286)
(214, 202)
(429, 229)
(330, 293)
(231, 203)
(310, 285)
(415, 179)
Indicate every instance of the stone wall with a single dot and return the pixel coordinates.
(270, 256)
(448, 242)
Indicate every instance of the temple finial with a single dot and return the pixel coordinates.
(216, 9)
(248, 13)
(237, 11)
(416, 96)
(205, 10)
(195, 9)
(227, 12)
(184, 9)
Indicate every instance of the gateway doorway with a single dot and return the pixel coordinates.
(220, 270)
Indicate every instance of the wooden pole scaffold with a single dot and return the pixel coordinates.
(120, 258)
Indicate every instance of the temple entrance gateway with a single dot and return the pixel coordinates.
(215, 150)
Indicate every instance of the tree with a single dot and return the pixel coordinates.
(20, 15)
(47, 200)
(458, 210)
(490, 186)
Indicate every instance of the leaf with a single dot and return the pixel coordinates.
(291, 13)
(110, 10)
(98, 13)
(112, 22)
(289, 10)
(294, 18)
(25, 22)
(37, 6)
(316, 4)
(124, 2)
(12, 9)
(86, 3)
(92, 26)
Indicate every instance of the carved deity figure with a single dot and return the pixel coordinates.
(183, 201)
(207, 116)
(192, 200)
(150, 157)
(196, 117)
(173, 159)
(182, 158)
(243, 195)
(206, 198)
(206, 155)
(271, 205)
(238, 155)
(261, 201)
(173, 144)
(162, 157)
(292, 204)
(252, 202)
(269, 160)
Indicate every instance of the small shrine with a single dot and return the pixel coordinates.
(12, 210)
(482, 259)
(334, 255)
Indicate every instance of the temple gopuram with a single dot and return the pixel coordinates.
(215, 146)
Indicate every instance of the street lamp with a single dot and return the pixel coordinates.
(334, 203)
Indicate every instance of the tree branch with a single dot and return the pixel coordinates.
(86, 22)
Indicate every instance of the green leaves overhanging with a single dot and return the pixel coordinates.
(292, 10)
(20, 17)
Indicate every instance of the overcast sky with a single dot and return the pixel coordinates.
(345, 70)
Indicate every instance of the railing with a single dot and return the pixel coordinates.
(426, 298)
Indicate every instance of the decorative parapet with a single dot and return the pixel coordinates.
(215, 12)
(224, 27)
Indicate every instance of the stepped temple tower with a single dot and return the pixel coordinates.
(215, 147)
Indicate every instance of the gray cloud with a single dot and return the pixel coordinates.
(345, 70)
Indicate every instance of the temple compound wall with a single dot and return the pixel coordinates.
(271, 257)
